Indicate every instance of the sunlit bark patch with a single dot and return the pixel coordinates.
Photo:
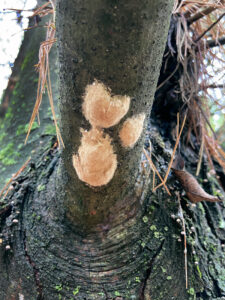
(101, 109)
(131, 130)
(95, 162)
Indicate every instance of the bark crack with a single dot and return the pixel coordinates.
(149, 270)
(211, 224)
(35, 270)
(38, 284)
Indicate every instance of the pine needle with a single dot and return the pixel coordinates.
(155, 169)
(44, 80)
(12, 178)
(174, 151)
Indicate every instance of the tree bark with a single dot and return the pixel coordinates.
(52, 245)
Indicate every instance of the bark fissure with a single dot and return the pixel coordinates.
(35, 269)
(211, 224)
(149, 270)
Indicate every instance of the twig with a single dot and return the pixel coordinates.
(214, 86)
(209, 28)
(154, 168)
(215, 43)
(201, 14)
(174, 151)
(168, 78)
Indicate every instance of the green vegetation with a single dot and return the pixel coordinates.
(49, 130)
(28, 58)
(40, 188)
(8, 155)
(58, 287)
(22, 129)
(76, 290)
(145, 219)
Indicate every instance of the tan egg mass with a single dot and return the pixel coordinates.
(102, 110)
(131, 130)
(96, 162)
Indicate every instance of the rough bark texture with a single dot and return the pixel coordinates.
(120, 44)
(133, 248)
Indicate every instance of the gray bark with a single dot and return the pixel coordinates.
(131, 248)
(121, 45)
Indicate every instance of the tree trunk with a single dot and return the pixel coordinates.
(63, 239)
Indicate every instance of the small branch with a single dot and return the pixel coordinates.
(214, 86)
(200, 14)
(209, 28)
(215, 43)
(168, 78)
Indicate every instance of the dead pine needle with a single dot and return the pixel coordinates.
(174, 151)
(200, 157)
(12, 178)
(155, 170)
(44, 74)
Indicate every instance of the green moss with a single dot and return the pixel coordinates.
(40, 188)
(76, 290)
(49, 130)
(15, 91)
(8, 161)
(222, 224)
(58, 287)
(158, 235)
(199, 271)
(22, 129)
(137, 279)
(8, 155)
(145, 219)
(28, 58)
(2, 136)
(9, 113)
(20, 146)
(163, 270)
(143, 244)
(191, 291)
(153, 227)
